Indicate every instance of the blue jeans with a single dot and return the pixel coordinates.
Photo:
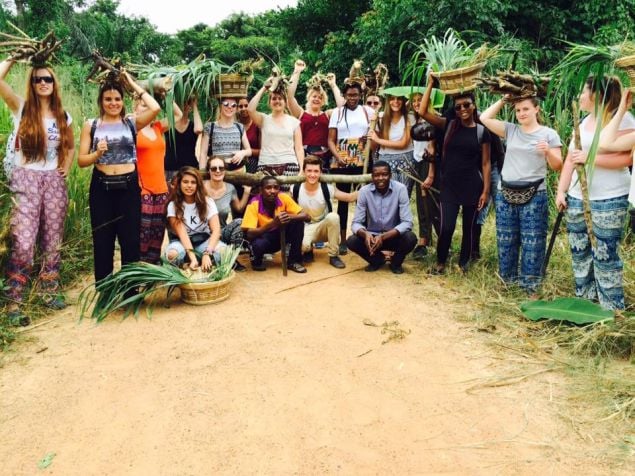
(598, 273)
(522, 227)
(181, 254)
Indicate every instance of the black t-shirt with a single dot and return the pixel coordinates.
(461, 166)
(180, 149)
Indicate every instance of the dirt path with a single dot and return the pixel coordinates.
(280, 382)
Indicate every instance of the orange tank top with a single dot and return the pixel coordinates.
(150, 159)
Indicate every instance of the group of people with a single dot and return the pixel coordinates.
(146, 178)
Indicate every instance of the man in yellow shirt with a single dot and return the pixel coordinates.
(264, 217)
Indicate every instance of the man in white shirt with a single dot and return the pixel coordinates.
(315, 199)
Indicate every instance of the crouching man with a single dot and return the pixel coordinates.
(315, 199)
(265, 216)
(382, 221)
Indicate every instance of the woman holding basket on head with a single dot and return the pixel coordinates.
(522, 209)
(314, 122)
(109, 143)
(39, 155)
(598, 272)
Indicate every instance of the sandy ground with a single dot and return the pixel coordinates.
(281, 381)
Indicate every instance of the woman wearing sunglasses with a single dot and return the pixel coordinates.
(521, 203)
(465, 172)
(227, 202)
(225, 138)
(314, 122)
(39, 155)
(109, 143)
(281, 151)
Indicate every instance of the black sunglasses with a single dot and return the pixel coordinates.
(46, 79)
(462, 105)
(373, 103)
(217, 168)
(243, 106)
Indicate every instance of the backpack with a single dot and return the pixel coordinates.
(325, 192)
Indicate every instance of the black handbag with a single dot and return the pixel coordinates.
(519, 192)
(422, 131)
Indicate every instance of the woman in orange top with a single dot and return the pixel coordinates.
(154, 188)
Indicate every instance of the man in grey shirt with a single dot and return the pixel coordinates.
(382, 221)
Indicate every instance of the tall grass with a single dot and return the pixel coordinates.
(79, 101)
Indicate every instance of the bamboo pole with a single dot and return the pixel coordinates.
(582, 177)
(242, 178)
(371, 127)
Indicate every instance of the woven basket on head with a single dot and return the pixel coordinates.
(462, 80)
(206, 293)
(232, 86)
(628, 63)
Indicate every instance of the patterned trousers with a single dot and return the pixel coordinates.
(41, 200)
(522, 228)
(598, 273)
(153, 208)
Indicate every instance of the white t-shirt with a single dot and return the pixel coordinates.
(193, 223)
(603, 183)
(277, 144)
(51, 161)
(396, 133)
(351, 124)
(314, 205)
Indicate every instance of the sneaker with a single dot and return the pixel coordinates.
(438, 269)
(18, 318)
(319, 245)
(308, 257)
(296, 267)
(374, 266)
(239, 267)
(396, 268)
(420, 252)
(258, 266)
(343, 249)
(336, 262)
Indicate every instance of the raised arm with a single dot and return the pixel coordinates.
(253, 106)
(196, 117)
(610, 140)
(6, 92)
(431, 117)
(153, 108)
(295, 108)
(178, 114)
(337, 94)
(202, 154)
(488, 118)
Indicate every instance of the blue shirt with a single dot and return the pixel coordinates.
(379, 213)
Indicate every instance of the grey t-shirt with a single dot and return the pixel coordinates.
(523, 162)
(224, 203)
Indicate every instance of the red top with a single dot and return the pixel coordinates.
(315, 129)
(253, 136)
(150, 155)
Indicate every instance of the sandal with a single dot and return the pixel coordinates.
(296, 267)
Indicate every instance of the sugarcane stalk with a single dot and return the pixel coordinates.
(242, 178)
(371, 127)
(582, 177)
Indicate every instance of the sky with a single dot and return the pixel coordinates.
(183, 14)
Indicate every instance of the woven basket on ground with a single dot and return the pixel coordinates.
(232, 86)
(460, 80)
(628, 63)
(206, 293)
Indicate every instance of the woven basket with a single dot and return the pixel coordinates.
(460, 80)
(199, 294)
(232, 86)
(628, 63)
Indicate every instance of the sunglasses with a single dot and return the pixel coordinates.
(231, 105)
(217, 168)
(46, 79)
(462, 105)
(373, 103)
(243, 106)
